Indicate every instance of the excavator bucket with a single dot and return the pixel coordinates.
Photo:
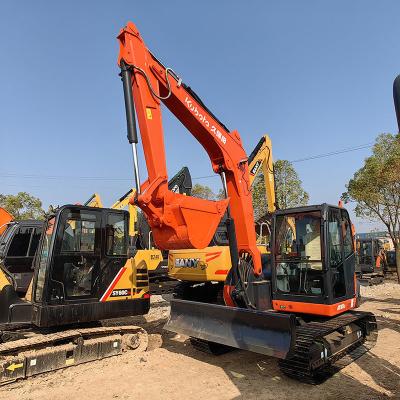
(187, 222)
(264, 332)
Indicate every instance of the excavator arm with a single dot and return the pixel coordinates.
(260, 160)
(94, 201)
(179, 221)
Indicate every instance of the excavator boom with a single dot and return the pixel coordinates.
(180, 221)
(261, 160)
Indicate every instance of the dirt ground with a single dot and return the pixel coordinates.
(172, 369)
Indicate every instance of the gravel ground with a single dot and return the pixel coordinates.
(172, 369)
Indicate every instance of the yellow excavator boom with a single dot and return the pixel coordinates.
(260, 160)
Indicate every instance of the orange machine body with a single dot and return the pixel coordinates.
(5, 218)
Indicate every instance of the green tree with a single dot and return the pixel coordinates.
(375, 188)
(289, 190)
(22, 206)
(260, 205)
(203, 192)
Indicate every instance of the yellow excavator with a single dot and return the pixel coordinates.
(212, 264)
(84, 272)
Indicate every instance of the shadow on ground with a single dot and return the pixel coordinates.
(259, 377)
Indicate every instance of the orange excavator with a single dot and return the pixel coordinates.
(298, 304)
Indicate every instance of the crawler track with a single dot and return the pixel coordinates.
(304, 363)
(37, 353)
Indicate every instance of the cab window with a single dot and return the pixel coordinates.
(347, 235)
(79, 236)
(20, 243)
(116, 231)
(336, 253)
(43, 258)
(298, 247)
(35, 241)
(335, 246)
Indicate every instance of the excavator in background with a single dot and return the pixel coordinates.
(84, 272)
(202, 272)
(299, 305)
(372, 262)
(18, 245)
(89, 266)
(141, 235)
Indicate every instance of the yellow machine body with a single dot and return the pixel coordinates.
(210, 264)
(132, 281)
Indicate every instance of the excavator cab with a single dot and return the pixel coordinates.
(82, 271)
(371, 256)
(68, 265)
(313, 260)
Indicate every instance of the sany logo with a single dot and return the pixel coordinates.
(255, 167)
(341, 307)
(187, 262)
(202, 118)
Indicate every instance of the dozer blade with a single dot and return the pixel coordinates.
(264, 332)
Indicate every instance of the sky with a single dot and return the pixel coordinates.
(315, 75)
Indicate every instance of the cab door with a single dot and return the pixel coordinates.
(341, 255)
(335, 255)
(74, 270)
(349, 254)
(18, 257)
